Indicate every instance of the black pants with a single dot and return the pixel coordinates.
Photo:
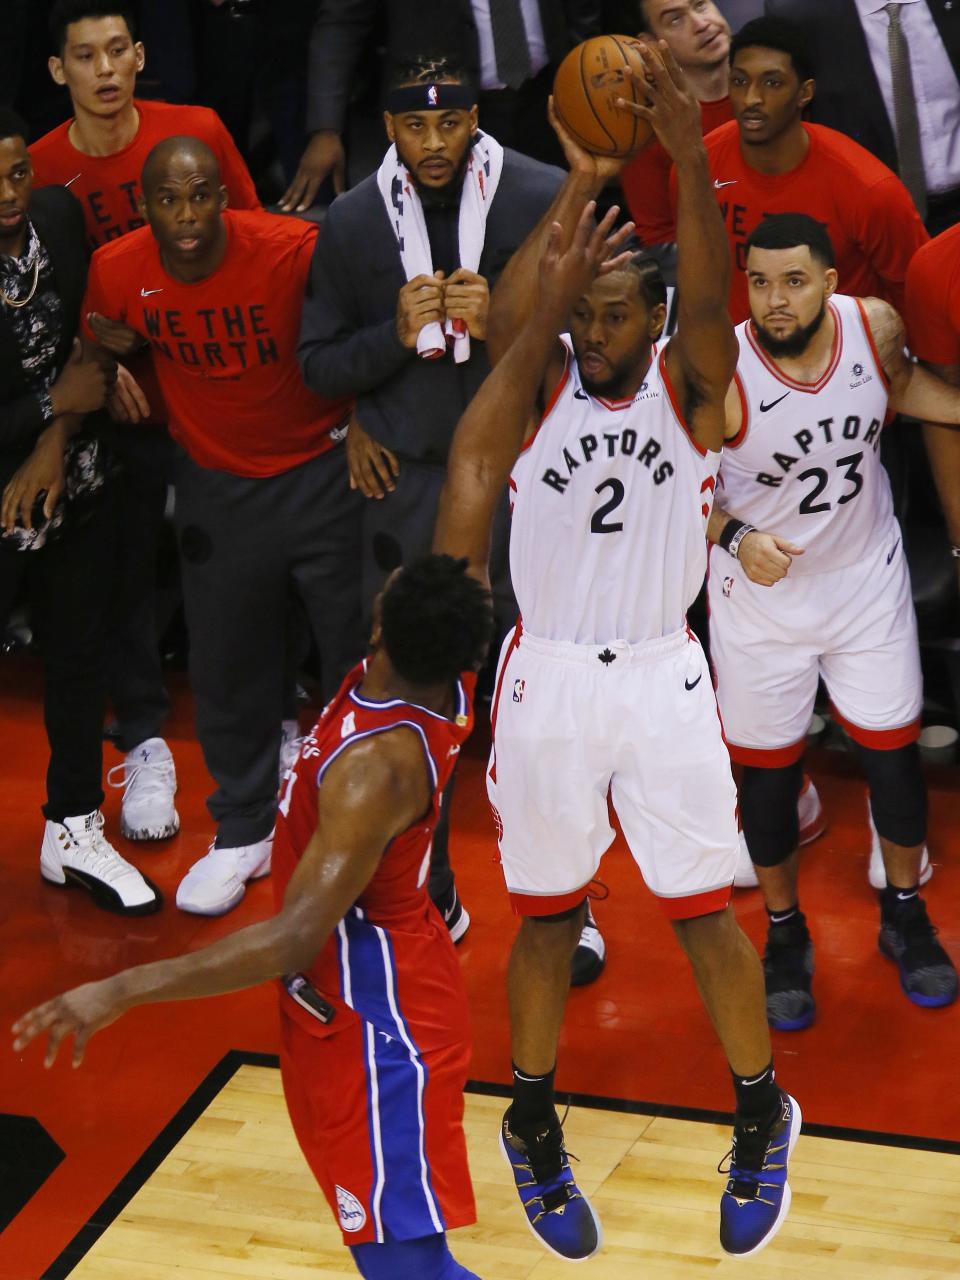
(67, 584)
(245, 544)
(140, 701)
(517, 118)
(397, 529)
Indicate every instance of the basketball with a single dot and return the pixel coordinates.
(587, 85)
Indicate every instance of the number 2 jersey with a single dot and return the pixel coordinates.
(806, 461)
(610, 503)
(390, 960)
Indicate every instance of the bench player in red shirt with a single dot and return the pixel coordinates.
(768, 160)
(375, 1042)
(98, 155)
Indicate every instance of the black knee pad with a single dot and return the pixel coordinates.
(559, 916)
(898, 793)
(768, 810)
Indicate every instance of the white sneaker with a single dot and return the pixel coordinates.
(214, 885)
(812, 825)
(149, 781)
(291, 740)
(590, 956)
(75, 853)
(877, 872)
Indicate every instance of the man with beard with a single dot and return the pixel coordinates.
(768, 160)
(817, 375)
(603, 693)
(397, 314)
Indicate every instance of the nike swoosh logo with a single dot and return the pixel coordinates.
(688, 686)
(905, 897)
(73, 179)
(894, 551)
(765, 408)
(145, 293)
(731, 182)
(580, 395)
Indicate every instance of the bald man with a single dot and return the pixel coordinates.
(263, 496)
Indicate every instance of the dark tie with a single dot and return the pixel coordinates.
(909, 149)
(510, 42)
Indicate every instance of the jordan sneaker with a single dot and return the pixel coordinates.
(927, 975)
(788, 975)
(216, 884)
(757, 1196)
(76, 854)
(455, 914)
(149, 781)
(812, 824)
(556, 1210)
(590, 957)
(877, 872)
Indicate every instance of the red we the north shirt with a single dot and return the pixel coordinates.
(225, 347)
(108, 187)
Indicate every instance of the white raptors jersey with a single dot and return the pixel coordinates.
(610, 504)
(806, 463)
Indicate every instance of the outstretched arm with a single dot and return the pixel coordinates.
(702, 355)
(490, 434)
(515, 295)
(370, 794)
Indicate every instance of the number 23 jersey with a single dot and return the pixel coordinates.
(610, 501)
(806, 461)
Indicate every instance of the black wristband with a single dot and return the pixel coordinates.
(730, 531)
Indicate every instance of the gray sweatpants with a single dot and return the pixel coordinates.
(244, 544)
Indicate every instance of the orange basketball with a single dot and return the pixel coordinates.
(585, 90)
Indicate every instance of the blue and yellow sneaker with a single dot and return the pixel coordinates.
(557, 1211)
(757, 1197)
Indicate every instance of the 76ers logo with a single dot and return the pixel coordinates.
(353, 1216)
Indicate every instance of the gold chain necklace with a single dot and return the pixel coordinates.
(22, 302)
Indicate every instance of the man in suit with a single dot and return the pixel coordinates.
(367, 308)
(907, 115)
(510, 48)
(54, 525)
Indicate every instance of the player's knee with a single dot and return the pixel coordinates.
(551, 938)
(706, 934)
(768, 810)
(427, 1258)
(898, 793)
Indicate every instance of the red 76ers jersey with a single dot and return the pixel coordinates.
(392, 950)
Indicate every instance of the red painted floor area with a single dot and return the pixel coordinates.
(872, 1061)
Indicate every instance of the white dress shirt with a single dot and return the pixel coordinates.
(535, 40)
(934, 84)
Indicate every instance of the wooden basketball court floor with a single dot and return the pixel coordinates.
(169, 1153)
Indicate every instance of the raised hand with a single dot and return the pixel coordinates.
(670, 107)
(579, 159)
(594, 250)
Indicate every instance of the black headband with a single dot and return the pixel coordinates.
(430, 97)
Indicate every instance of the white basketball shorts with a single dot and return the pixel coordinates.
(574, 724)
(769, 645)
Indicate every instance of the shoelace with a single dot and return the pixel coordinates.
(99, 855)
(150, 779)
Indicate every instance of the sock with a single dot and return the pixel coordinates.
(783, 917)
(894, 898)
(428, 1258)
(757, 1096)
(532, 1099)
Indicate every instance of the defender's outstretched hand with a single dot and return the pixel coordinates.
(80, 1012)
(670, 108)
(595, 250)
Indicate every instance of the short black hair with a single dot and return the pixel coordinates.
(427, 68)
(13, 125)
(776, 33)
(790, 231)
(66, 12)
(436, 620)
(653, 288)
